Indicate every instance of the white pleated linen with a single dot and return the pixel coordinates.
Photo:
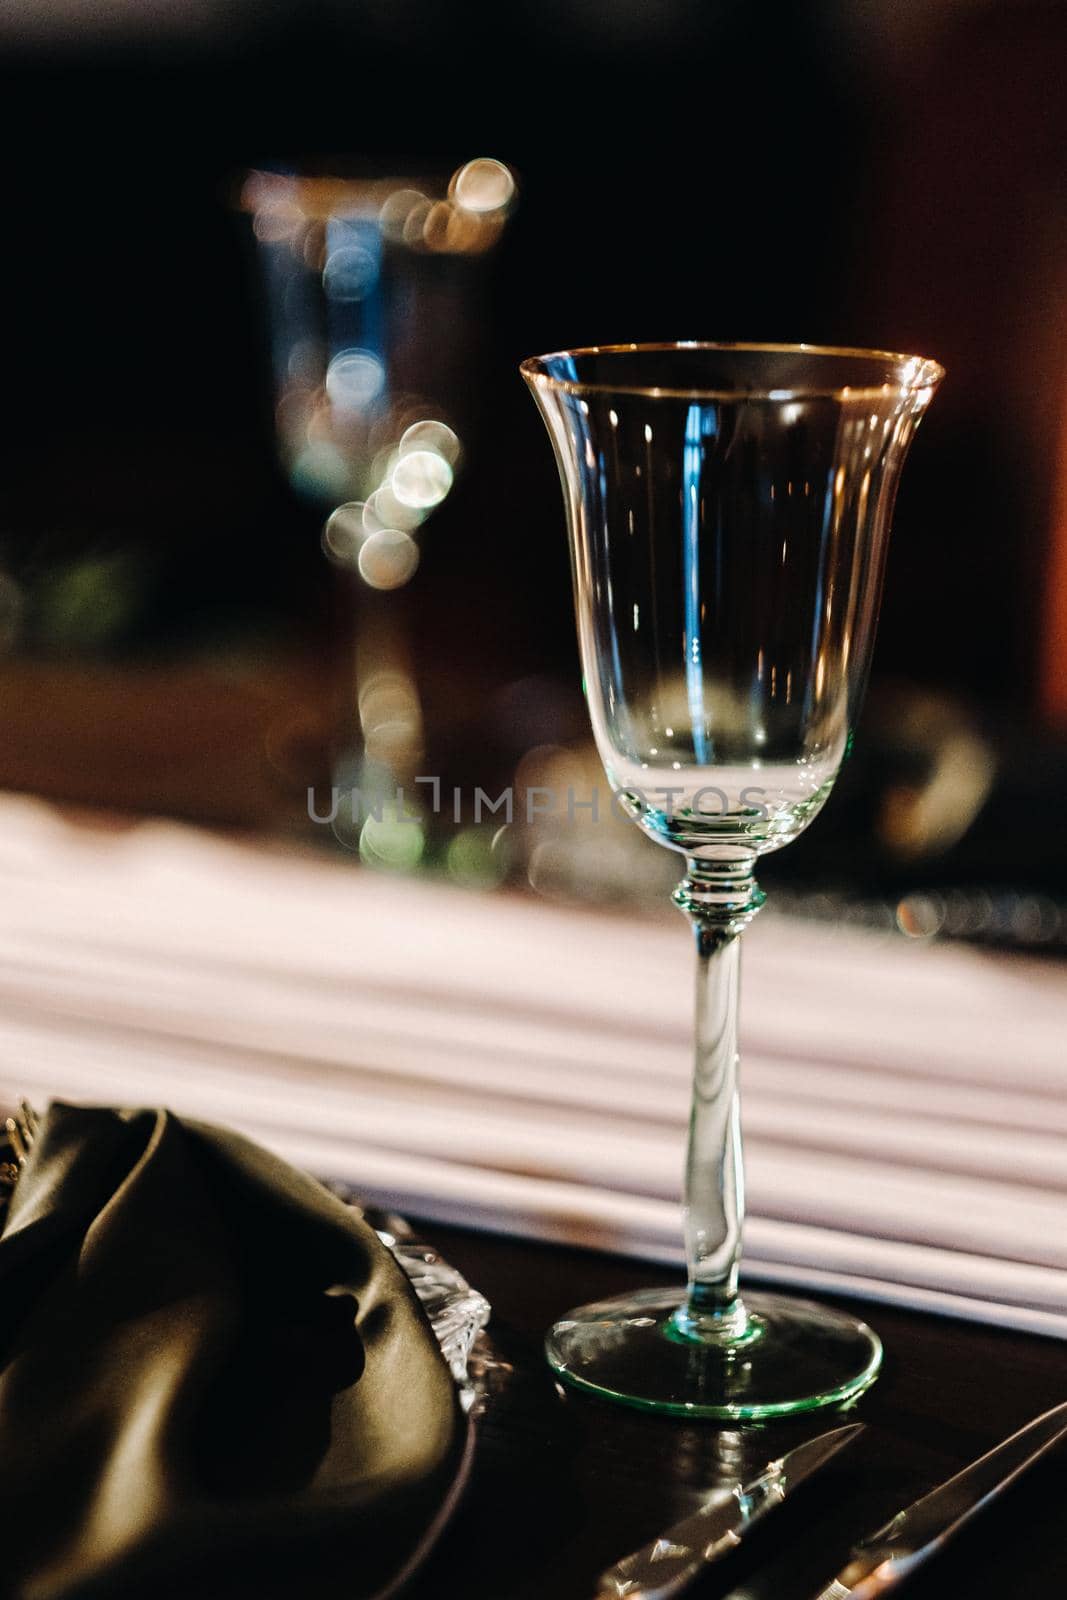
(498, 1061)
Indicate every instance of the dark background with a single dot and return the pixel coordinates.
(890, 175)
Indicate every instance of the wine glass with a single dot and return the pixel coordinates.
(728, 507)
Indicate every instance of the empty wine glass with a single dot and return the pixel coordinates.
(728, 507)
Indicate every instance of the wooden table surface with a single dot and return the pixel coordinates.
(563, 1484)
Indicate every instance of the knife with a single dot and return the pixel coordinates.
(671, 1562)
(881, 1561)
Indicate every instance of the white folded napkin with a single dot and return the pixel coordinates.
(513, 1065)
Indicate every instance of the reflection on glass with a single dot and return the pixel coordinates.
(728, 510)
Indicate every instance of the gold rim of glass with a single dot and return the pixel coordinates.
(915, 372)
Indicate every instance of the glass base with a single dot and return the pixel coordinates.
(769, 1357)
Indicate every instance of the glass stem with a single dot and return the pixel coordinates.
(714, 1169)
(720, 898)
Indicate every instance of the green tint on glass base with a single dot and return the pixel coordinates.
(780, 1357)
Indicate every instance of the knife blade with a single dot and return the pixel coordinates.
(671, 1562)
(882, 1560)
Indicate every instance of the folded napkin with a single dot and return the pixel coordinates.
(214, 1378)
(510, 1064)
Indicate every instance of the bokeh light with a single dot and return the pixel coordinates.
(920, 916)
(279, 222)
(384, 510)
(381, 470)
(394, 214)
(388, 559)
(390, 716)
(483, 185)
(472, 860)
(437, 437)
(435, 226)
(314, 246)
(355, 379)
(350, 273)
(389, 701)
(421, 478)
(393, 840)
(414, 232)
(343, 535)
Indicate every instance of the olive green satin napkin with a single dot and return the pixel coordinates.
(214, 1379)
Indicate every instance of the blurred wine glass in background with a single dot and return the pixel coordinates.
(375, 293)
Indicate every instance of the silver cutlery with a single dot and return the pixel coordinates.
(881, 1561)
(672, 1561)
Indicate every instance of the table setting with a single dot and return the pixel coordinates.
(306, 1171)
(241, 1525)
(533, 756)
